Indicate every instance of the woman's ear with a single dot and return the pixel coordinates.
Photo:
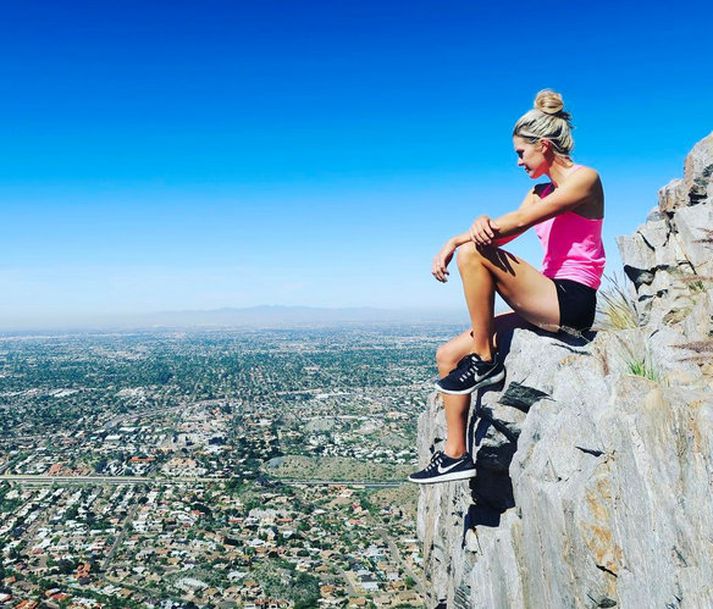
(545, 146)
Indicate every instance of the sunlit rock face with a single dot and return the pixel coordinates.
(595, 456)
(671, 254)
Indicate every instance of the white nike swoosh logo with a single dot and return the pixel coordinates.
(443, 470)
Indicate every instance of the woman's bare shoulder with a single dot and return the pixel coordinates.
(592, 206)
(590, 174)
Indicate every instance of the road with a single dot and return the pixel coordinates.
(43, 479)
(396, 555)
(125, 528)
(364, 483)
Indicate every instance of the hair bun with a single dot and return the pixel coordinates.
(549, 102)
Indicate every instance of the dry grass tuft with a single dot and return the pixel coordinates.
(699, 358)
(696, 283)
(708, 238)
(695, 278)
(699, 346)
(635, 362)
(617, 307)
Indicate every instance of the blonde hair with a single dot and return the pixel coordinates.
(547, 121)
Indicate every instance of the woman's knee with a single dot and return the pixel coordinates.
(465, 254)
(491, 258)
(446, 357)
(468, 254)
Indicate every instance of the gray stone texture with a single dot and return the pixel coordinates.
(595, 456)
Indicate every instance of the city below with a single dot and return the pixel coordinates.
(213, 468)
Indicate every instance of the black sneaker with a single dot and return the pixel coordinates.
(471, 374)
(443, 468)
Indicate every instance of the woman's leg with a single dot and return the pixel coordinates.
(530, 294)
(479, 287)
(456, 406)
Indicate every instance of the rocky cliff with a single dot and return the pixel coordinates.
(595, 457)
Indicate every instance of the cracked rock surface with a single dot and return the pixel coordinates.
(595, 456)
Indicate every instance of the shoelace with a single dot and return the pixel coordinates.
(435, 461)
(472, 370)
(466, 375)
(468, 372)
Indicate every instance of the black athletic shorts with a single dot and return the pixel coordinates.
(578, 303)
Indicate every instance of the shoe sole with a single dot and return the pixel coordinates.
(491, 380)
(445, 477)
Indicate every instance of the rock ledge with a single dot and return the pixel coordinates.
(595, 457)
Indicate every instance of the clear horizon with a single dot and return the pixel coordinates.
(168, 157)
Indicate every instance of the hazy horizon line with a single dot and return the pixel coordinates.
(256, 316)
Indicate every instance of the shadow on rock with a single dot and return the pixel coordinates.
(567, 338)
(493, 435)
(492, 487)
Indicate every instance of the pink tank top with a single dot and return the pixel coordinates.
(573, 246)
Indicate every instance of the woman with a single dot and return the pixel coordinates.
(567, 213)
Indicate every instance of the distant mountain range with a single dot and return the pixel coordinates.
(267, 316)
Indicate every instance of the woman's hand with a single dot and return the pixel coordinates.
(441, 261)
(483, 231)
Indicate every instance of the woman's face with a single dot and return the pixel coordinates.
(531, 157)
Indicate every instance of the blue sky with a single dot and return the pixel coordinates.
(184, 155)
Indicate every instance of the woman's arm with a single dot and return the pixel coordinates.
(439, 269)
(482, 232)
(570, 195)
(533, 210)
(486, 231)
